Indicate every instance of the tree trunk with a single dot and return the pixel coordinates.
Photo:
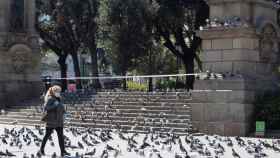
(189, 68)
(124, 80)
(150, 84)
(77, 70)
(63, 71)
(95, 73)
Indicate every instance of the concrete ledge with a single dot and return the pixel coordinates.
(236, 84)
(218, 66)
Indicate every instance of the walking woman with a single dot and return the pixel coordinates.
(54, 119)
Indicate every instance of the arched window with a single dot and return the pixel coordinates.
(17, 16)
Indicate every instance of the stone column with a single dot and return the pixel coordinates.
(3, 16)
(31, 17)
(234, 50)
(20, 60)
(233, 44)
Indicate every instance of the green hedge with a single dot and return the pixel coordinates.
(171, 84)
(134, 86)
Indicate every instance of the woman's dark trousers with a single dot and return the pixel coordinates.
(59, 131)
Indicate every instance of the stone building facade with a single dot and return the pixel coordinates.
(242, 39)
(19, 52)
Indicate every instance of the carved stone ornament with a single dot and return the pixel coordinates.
(267, 44)
(20, 61)
(278, 17)
(21, 58)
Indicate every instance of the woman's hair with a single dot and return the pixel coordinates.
(51, 92)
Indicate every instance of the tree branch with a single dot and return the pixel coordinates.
(168, 43)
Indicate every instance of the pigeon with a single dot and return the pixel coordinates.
(20, 146)
(94, 141)
(2, 153)
(234, 154)
(275, 148)
(229, 143)
(77, 155)
(37, 144)
(4, 141)
(240, 141)
(117, 153)
(25, 155)
(144, 145)
(187, 140)
(39, 155)
(221, 147)
(11, 144)
(142, 153)
(80, 145)
(182, 147)
(207, 152)
(187, 155)
(266, 145)
(91, 153)
(41, 132)
(28, 143)
(158, 155)
(110, 148)
(178, 156)
(9, 153)
(104, 154)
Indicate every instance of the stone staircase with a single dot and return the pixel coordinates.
(127, 111)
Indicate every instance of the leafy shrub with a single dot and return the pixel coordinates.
(136, 86)
(171, 84)
(267, 108)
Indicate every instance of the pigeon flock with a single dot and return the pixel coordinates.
(24, 142)
(84, 142)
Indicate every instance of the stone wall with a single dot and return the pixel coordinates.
(248, 49)
(223, 106)
(19, 57)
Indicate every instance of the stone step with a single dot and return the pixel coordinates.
(121, 115)
(141, 93)
(114, 106)
(178, 131)
(177, 119)
(177, 101)
(159, 111)
(129, 95)
(127, 101)
(151, 97)
(104, 120)
(163, 112)
(102, 126)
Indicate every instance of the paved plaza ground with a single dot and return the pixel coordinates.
(25, 141)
